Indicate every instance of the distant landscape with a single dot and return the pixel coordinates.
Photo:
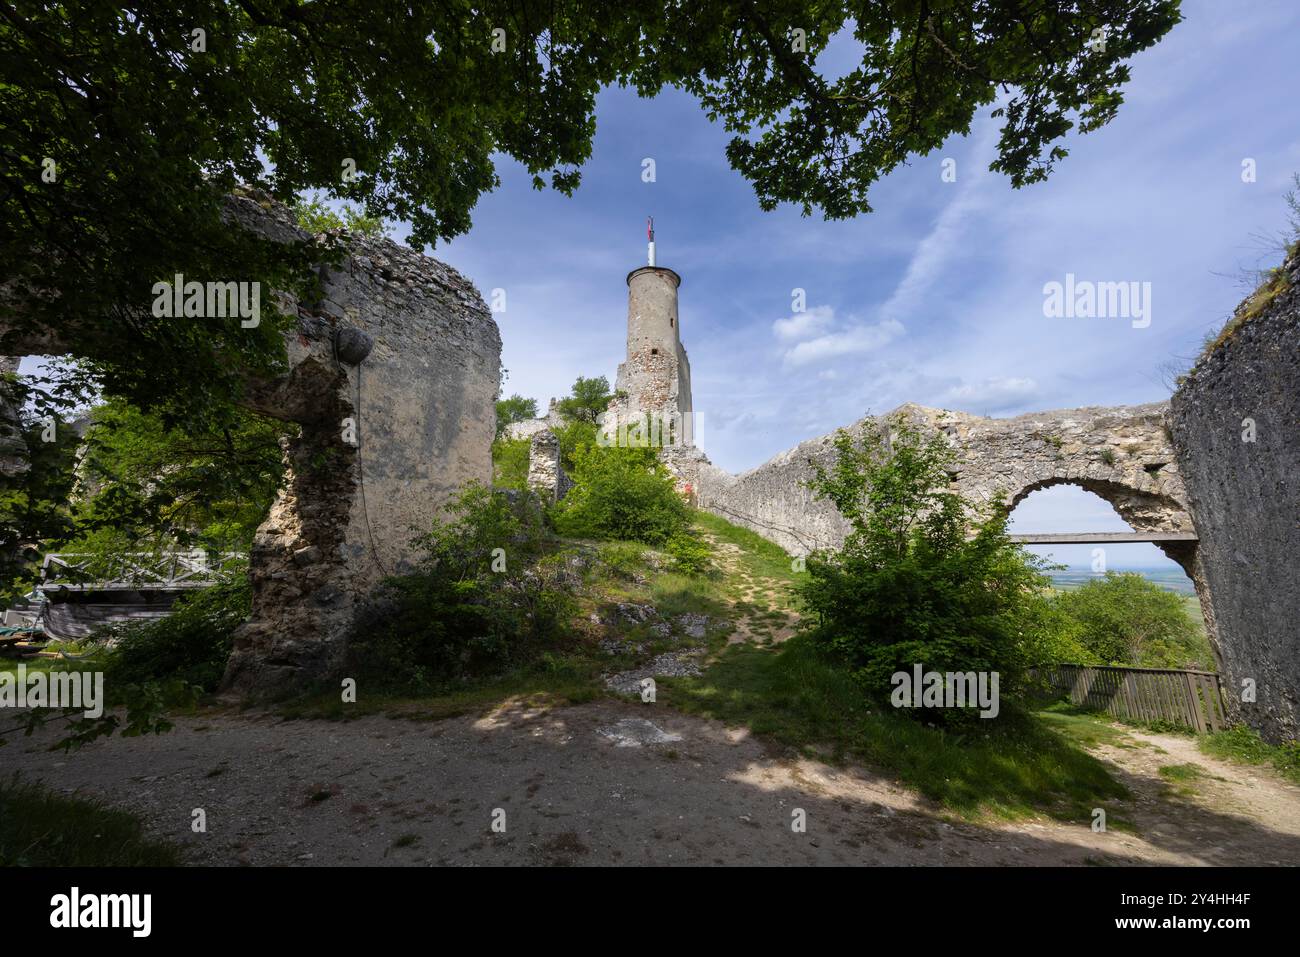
(1171, 579)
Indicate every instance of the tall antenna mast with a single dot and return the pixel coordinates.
(650, 235)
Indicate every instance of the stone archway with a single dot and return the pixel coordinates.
(1141, 511)
(1123, 454)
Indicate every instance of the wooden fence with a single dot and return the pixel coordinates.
(1189, 698)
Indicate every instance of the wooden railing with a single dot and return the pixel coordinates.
(1190, 698)
(166, 571)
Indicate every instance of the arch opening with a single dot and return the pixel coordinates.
(1062, 507)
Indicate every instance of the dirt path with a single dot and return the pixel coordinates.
(613, 782)
(756, 615)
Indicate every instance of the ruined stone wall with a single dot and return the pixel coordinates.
(1123, 454)
(1236, 429)
(546, 476)
(420, 408)
(390, 388)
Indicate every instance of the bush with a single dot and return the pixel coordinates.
(192, 644)
(909, 587)
(510, 462)
(621, 493)
(1052, 637)
(624, 559)
(575, 436)
(482, 599)
(691, 554)
(1127, 620)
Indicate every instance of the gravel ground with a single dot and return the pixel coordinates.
(611, 782)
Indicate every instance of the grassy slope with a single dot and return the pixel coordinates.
(1029, 763)
(1243, 745)
(42, 829)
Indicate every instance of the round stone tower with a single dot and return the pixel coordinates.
(652, 311)
(654, 382)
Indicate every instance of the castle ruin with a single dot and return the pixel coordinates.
(1227, 511)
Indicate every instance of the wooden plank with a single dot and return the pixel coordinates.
(1174, 699)
(1194, 705)
(1214, 703)
(1204, 704)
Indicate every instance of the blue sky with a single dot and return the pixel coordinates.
(935, 297)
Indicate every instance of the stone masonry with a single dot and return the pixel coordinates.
(420, 410)
(391, 383)
(655, 378)
(546, 477)
(1123, 454)
(1236, 429)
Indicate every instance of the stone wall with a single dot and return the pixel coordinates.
(420, 408)
(391, 386)
(1236, 428)
(1123, 454)
(546, 476)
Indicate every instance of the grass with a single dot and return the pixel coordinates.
(1023, 764)
(1275, 284)
(1243, 745)
(759, 557)
(1181, 773)
(41, 829)
(1181, 779)
(48, 665)
(558, 680)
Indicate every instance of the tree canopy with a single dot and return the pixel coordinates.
(121, 126)
(517, 408)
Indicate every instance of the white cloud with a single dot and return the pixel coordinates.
(802, 325)
(991, 395)
(855, 340)
(934, 255)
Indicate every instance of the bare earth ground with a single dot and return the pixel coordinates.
(615, 782)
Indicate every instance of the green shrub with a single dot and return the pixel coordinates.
(1050, 636)
(909, 587)
(691, 554)
(510, 463)
(484, 597)
(575, 437)
(192, 644)
(621, 493)
(1126, 619)
(625, 559)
